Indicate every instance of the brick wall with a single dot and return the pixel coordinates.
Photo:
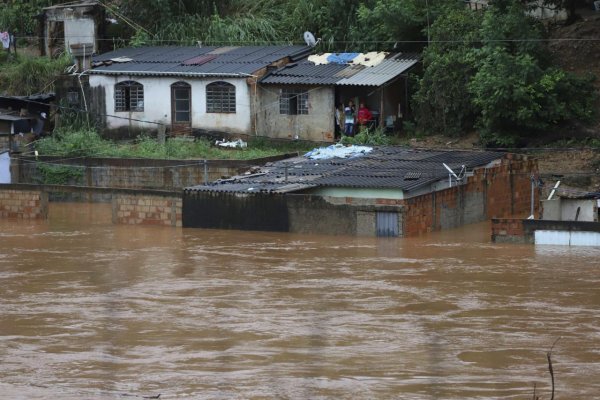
(500, 191)
(508, 230)
(23, 204)
(146, 209)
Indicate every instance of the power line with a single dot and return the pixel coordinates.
(280, 42)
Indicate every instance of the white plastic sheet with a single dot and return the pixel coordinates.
(337, 151)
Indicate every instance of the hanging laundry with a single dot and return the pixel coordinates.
(5, 39)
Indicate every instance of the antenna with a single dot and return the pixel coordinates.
(310, 40)
(451, 174)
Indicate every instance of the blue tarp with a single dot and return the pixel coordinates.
(342, 58)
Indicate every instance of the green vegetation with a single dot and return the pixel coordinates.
(27, 75)
(60, 174)
(87, 143)
(372, 137)
(491, 71)
(488, 71)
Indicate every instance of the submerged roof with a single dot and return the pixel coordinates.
(388, 167)
(193, 60)
(357, 70)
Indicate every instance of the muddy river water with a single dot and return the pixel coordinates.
(90, 310)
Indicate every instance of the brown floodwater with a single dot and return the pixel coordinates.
(91, 310)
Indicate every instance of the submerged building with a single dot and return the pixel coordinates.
(381, 191)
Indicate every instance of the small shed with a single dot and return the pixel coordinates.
(71, 24)
(584, 207)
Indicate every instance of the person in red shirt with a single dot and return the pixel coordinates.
(364, 115)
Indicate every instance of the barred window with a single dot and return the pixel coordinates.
(293, 101)
(129, 96)
(220, 97)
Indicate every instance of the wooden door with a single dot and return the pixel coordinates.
(181, 108)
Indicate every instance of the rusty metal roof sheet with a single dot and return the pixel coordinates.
(379, 74)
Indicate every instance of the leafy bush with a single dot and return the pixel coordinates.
(60, 174)
(373, 137)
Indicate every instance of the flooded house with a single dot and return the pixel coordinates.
(364, 191)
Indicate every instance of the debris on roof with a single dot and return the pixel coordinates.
(337, 150)
(385, 167)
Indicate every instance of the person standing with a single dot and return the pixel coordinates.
(364, 116)
(349, 116)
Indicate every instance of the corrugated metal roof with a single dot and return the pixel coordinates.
(388, 167)
(193, 60)
(308, 73)
(379, 74)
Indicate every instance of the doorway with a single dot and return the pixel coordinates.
(181, 108)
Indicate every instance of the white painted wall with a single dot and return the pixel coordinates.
(587, 211)
(79, 31)
(362, 193)
(157, 103)
(566, 238)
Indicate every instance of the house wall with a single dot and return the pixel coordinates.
(298, 213)
(500, 191)
(317, 125)
(157, 104)
(363, 193)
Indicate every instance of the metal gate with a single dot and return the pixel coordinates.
(387, 224)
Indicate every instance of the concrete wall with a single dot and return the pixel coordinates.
(588, 210)
(23, 204)
(157, 104)
(136, 173)
(144, 209)
(317, 125)
(564, 209)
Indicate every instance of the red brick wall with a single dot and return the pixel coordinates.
(23, 204)
(506, 191)
(508, 230)
(146, 210)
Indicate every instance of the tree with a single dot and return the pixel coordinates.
(516, 90)
(442, 104)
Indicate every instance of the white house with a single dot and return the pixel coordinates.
(183, 88)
